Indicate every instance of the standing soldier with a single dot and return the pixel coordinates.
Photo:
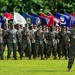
(33, 46)
(45, 41)
(39, 42)
(19, 41)
(61, 37)
(66, 49)
(46, 36)
(50, 43)
(72, 49)
(54, 35)
(1, 43)
(5, 36)
(26, 36)
(12, 42)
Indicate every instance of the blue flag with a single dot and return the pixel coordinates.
(65, 19)
(72, 21)
(34, 20)
(44, 21)
(2, 21)
(35, 15)
(26, 15)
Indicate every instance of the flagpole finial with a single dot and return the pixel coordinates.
(73, 11)
(55, 10)
(41, 10)
(64, 11)
(14, 9)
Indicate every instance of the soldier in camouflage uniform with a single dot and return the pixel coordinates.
(1, 43)
(45, 32)
(54, 39)
(26, 36)
(72, 49)
(39, 42)
(19, 41)
(50, 43)
(33, 46)
(66, 49)
(61, 37)
(5, 36)
(12, 42)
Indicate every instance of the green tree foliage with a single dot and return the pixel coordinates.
(35, 5)
(3, 4)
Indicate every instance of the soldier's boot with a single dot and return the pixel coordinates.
(15, 58)
(20, 58)
(8, 57)
(69, 69)
(55, 57)
(65, 57)
(2, 58)
(46, 57)
(29, 57)
(34, 57)
(42, 57)
(59, 57)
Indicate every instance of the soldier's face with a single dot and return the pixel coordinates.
(74, 28)
(26, 27)
(0, 25)
(18, 27)
(64, 29)
(5, 27)
(35, 27)
(12, 26)
(44, 29)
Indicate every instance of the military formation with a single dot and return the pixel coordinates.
(34, 41)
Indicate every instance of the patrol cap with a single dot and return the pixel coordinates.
(26, 25)
(44, 26)
(35, 25)
(6, 24)
(18, 24)
(40, 26)
(12, 24)
(0, 24)
(32, 25)
(64, 26)
(73, 25)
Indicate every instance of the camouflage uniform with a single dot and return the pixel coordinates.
(1, 43)
(26, 42)
(33, 46)
(66, 51)
(5, 38)
(60, 50)
(50, 43)
(54, 39)
(39, 43)
(71, 50)
(19, 42)
(45, 40)
(12, 43)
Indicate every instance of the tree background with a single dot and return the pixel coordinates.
(30, 6)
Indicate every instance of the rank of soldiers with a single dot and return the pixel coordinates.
(34, 41)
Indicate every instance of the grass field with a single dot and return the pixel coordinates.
(34, 67)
